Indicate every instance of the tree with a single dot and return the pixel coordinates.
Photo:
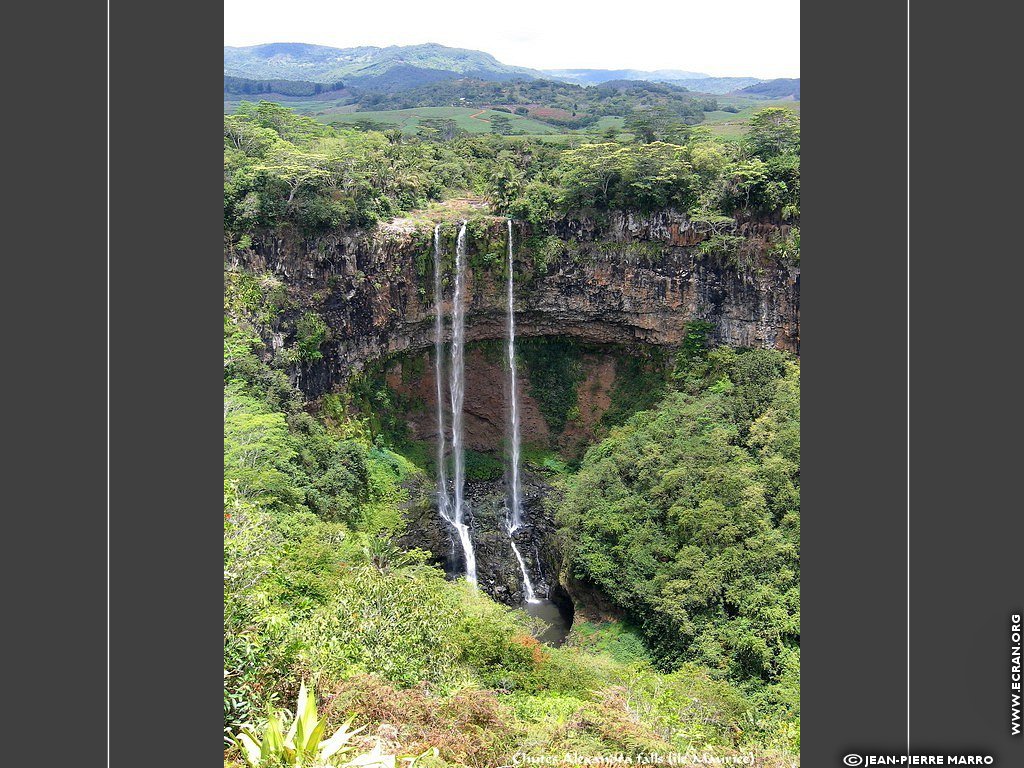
(774, 131)
(504, 185)
(589, 173)
(655, 124)
(437, 129)
(628, 176)
(657, 175)
(247, 136)
(502, 125)
(295, 168)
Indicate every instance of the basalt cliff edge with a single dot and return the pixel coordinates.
(621, 278)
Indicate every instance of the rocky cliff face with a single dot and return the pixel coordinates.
(486, 515)
(486, 409)
(623, 278)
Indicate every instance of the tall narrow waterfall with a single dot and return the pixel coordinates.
(456, 378)
(444, 503)
(515, 517)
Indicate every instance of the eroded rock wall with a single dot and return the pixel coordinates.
(622, 278)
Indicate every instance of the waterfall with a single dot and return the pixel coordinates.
(444, 503)
(515, 517)
(456, 378)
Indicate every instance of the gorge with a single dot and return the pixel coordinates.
(602, 298)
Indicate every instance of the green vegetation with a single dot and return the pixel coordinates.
(312, 333)
(316, 590)
(617, 639)
(426, 119)
(558, 104)
(684, 518)
(687, 518)
(284, 169)
(483, 466)
(241, 85)
(640, 381)
(731, 120)
(301, 745)
(555, 372)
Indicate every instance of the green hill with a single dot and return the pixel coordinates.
(781, 88)
(714, 85)
(407, 65)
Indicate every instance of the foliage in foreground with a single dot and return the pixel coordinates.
(303, 745)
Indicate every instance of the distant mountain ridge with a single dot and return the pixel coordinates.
(598, 76)
(323, 64)
(399, 67)
(715, 85)
(780, 88)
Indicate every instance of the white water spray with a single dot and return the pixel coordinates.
(515, 519)
(456, 378)
(444, 503)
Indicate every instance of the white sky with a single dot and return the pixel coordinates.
(758, 38)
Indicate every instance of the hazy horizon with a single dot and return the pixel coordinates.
(753, 39)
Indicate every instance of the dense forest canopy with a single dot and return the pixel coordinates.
(687, 517)
(248, 86)
(282, 168)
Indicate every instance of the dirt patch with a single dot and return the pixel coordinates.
(555, 112)
(486, 407)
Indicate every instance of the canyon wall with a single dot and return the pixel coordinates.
(620, 278)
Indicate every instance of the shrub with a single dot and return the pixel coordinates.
(467, 728)
(311, 333)
(302, 745)
(397, 624)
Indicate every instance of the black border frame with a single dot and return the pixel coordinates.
(165, 377)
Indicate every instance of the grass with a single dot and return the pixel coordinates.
(616, 639)
(544, 459)
(733, 125)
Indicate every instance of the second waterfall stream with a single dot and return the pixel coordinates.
(515, 514)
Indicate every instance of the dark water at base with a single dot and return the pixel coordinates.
(558, 624)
